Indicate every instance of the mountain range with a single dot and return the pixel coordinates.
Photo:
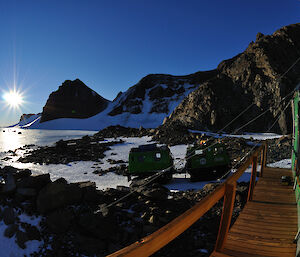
(256, 80)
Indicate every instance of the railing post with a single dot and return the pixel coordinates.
(253, 177)
(263, 160)
(229, 197)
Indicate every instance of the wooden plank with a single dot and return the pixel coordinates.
(262, 162)
(228, 205)
(262, 235)
(270, 219)
(261, 242)
(247, 246)
(237, 253)
(274, 207)
(276, 224)
(278, 170)
(277, 188)
(267, 226)
(256, 228)
(274, 190)
(253, 178)
(270, 213)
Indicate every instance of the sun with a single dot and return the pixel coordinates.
(13, 99)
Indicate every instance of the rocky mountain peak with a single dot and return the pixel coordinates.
(252, 77)
(73, 99)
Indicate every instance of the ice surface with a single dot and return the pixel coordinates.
(10, 139)
(255, 136)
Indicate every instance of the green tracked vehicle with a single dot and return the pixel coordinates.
(206, 162)
(146, 160)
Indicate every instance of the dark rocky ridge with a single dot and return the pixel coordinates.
(73, 99)
(250, 77)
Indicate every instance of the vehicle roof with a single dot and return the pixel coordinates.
(148, 148)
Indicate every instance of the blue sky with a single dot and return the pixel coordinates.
(110, 45)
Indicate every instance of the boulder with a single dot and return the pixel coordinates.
(56, 195)
(21, 239)
(9, 215)
(11, 230)
(10, 184)
(93, 196)
(34, 182)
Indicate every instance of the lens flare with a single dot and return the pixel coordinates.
(13, 98)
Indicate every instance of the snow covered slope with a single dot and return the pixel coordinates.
(145, 104)
(102, 120)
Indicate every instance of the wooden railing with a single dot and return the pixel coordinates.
(152, 243)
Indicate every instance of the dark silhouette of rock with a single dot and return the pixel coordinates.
(35, 182)
(73, 99)
(56, 195)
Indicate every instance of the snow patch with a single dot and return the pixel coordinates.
(8, 246)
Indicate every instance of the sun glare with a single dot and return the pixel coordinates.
(13, 99)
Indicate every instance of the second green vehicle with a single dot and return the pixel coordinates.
(207, 162)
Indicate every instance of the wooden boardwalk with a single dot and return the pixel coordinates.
(268, 223)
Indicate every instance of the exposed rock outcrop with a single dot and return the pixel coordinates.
(160, 90)
(73, 99)
(252, 77)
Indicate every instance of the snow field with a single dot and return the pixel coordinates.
(83, 170)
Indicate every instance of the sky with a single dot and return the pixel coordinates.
(110, 45)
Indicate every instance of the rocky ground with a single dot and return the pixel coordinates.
(84, 149)
(92, 148)
(76, 219)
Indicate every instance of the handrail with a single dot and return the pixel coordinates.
(152, 243)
